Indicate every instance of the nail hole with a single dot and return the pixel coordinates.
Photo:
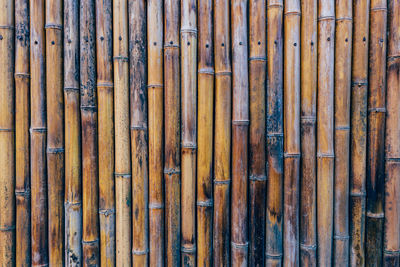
(101, 38)
(275, 42)
(259, 42)
(346, 40)
(171, 42)
(381, 40)
(206, 45)
(188, 43)
(312, 43)
(1, 37)
(69, 41)
(329, 38)
(154, 43)
(120, 38)
(136, 41)
(222, 44)
(364, 39)
(36, 42)
(295, 44)
(52, 42)
(240, 43)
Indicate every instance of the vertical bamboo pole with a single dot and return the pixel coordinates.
(172, 133)
(155, 107)
(22, 105)
(274, 216)
(325, 130)
(90, 229)
(308, 102)
(257, 168)
(342, 131)
(139, 133)
(222, 134)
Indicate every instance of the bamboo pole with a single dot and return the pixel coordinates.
(139, 132)
(391, 248)
(222, 134)
(22, 105)
(90, 229)
(155, 108)
(342, 131)
(308, 112)
(274, 211)
(257, 168)
(325, 130)
(172, 133)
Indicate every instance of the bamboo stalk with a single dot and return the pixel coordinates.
(274, 211)
(22, 150)
(391, 248)
(325, 130)
(155, 108)
(222, 134)
(139, 133)
(342, 131)
(308, 112)
(90, 229)
(257, 168)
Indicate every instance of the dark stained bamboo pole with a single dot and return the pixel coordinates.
(240, 133)
(308, 113)
(391, 248)
(222, 134)
(325, 130)
(172, 133)
(139, 132)
(274, 213)
(90, 228)
(155, 108)
(205, 94)
(342, 131)
(22, 149)
(257, 166)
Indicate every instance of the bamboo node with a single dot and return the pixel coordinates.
(7, 27)
(257, 177)
(171, 171)
(155, 86)
(38, 129)
(308, 119)
(242, 246)
(122, 175)
(377, 110)
(276, 256)
(106, 212)
(122, 58)
(53, 26)
(344, 18)
(241, 122)
(379, 8)
(189, 249)
(393, 159)
(68, 204)
(189, 30)
(221, 181)
(393, 57)
(258, 58)
(206, 71)
(23, 193)
(71, 89)
(344, 128)
(325, 155)
(90, 243)
(358, 194)
(6, 129)
(7, 228)
(308, 247)
(223, 73)
(105, 84)
(139, 127)
(189, 146)
(272, 134)
(206, 203)
(341, 237)
(291, 155)
(55, 150)
(359, 83)
(380, 215)
(140, 252)
(321, 18)
(156, 206)
(292, 13)
(21, 75)
(280, 6)
(392, 252)
(90, 108)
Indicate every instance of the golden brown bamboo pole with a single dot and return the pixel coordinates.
(73, 178)
(172, 133)
(257, 168)
(139, 133)
(325, 130)
(22, 105)
(274, 213)
(222, 134)
(90, 228)
(342, 131)
(155, 108)
(308, 112)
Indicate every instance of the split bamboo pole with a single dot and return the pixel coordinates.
(257, 166)
(274, 213)
(342, 131)
(155, 109)
(172, 133)
(139, 132)
(325, 130)
(22, 116)
(308, 113)
(222, 134)
(240, 132)
(90, 228)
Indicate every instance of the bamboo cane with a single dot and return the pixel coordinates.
(172, 134)
(90, 229)
(139, 133)
(222, 134)
(391, 248)
(325, 130)
(342, 131)
(22, 179)
(155, 107)
(257, 170)
(308, 102)
(274, 211)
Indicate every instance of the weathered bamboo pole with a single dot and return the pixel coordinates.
(172, 133)
(391, 248)
(139, 133)
(274, 216)
(308, 112)
(240, 131)
(90, 228)
(325, 130)
(155, 109)
(189, 130)
(7, 138)
(342, 131)
(222, 134)
(257, 168)
(105, 96)
(22, 105)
